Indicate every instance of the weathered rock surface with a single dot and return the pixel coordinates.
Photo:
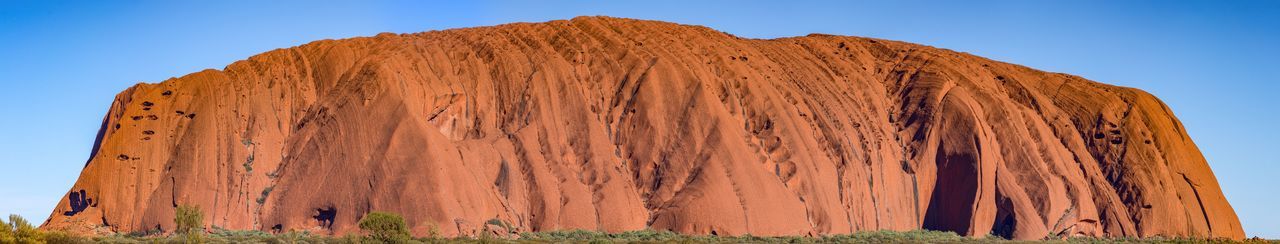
(616, 124)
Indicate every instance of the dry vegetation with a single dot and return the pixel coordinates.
(383, 227)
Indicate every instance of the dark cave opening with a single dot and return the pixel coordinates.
(954, 194)
(78, 202)
(325, 216)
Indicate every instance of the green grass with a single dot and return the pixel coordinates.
(219, 235)
(383, 227)
(386, 227)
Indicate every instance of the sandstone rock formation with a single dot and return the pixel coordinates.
(615, 124)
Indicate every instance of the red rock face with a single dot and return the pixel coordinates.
(616, 124)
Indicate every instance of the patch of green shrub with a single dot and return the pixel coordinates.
(190, 223)
(189, 219)
(143, 233)
(384, 227)
(6, 232)
(21, 231)
(656, 236)
(222, 232)
(265, 191)
(63, 238)
(913, 236)
(433, 231)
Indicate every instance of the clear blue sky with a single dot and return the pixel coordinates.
(1213, 62)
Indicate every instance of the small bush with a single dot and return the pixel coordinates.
(63, 238)
(240, 236)
(143, 233)
(21, 231)
(6, 232)
(189, 219)
(293, 237)
(915, 236)
(384, 227)
(118, 238)
(648, 235)
(433, 231)
(564, 235)
(190, 222)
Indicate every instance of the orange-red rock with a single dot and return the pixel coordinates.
(616, 124)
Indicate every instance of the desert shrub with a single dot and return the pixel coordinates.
(6, 232)
(564, 235)
(913, 236)
(192, 238)
(21, 231)
(485, 237)
(143, 233)
(190, 223)
(118, 238)
(293, 237)
(433, 231)
(63, 238)
(218, 234)
(647, 235)
(660, 236)
(639, 236)
(384, 227)
(348, 239)
(189, 219)
(225, 233)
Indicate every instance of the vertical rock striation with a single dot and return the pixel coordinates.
(616, 124)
